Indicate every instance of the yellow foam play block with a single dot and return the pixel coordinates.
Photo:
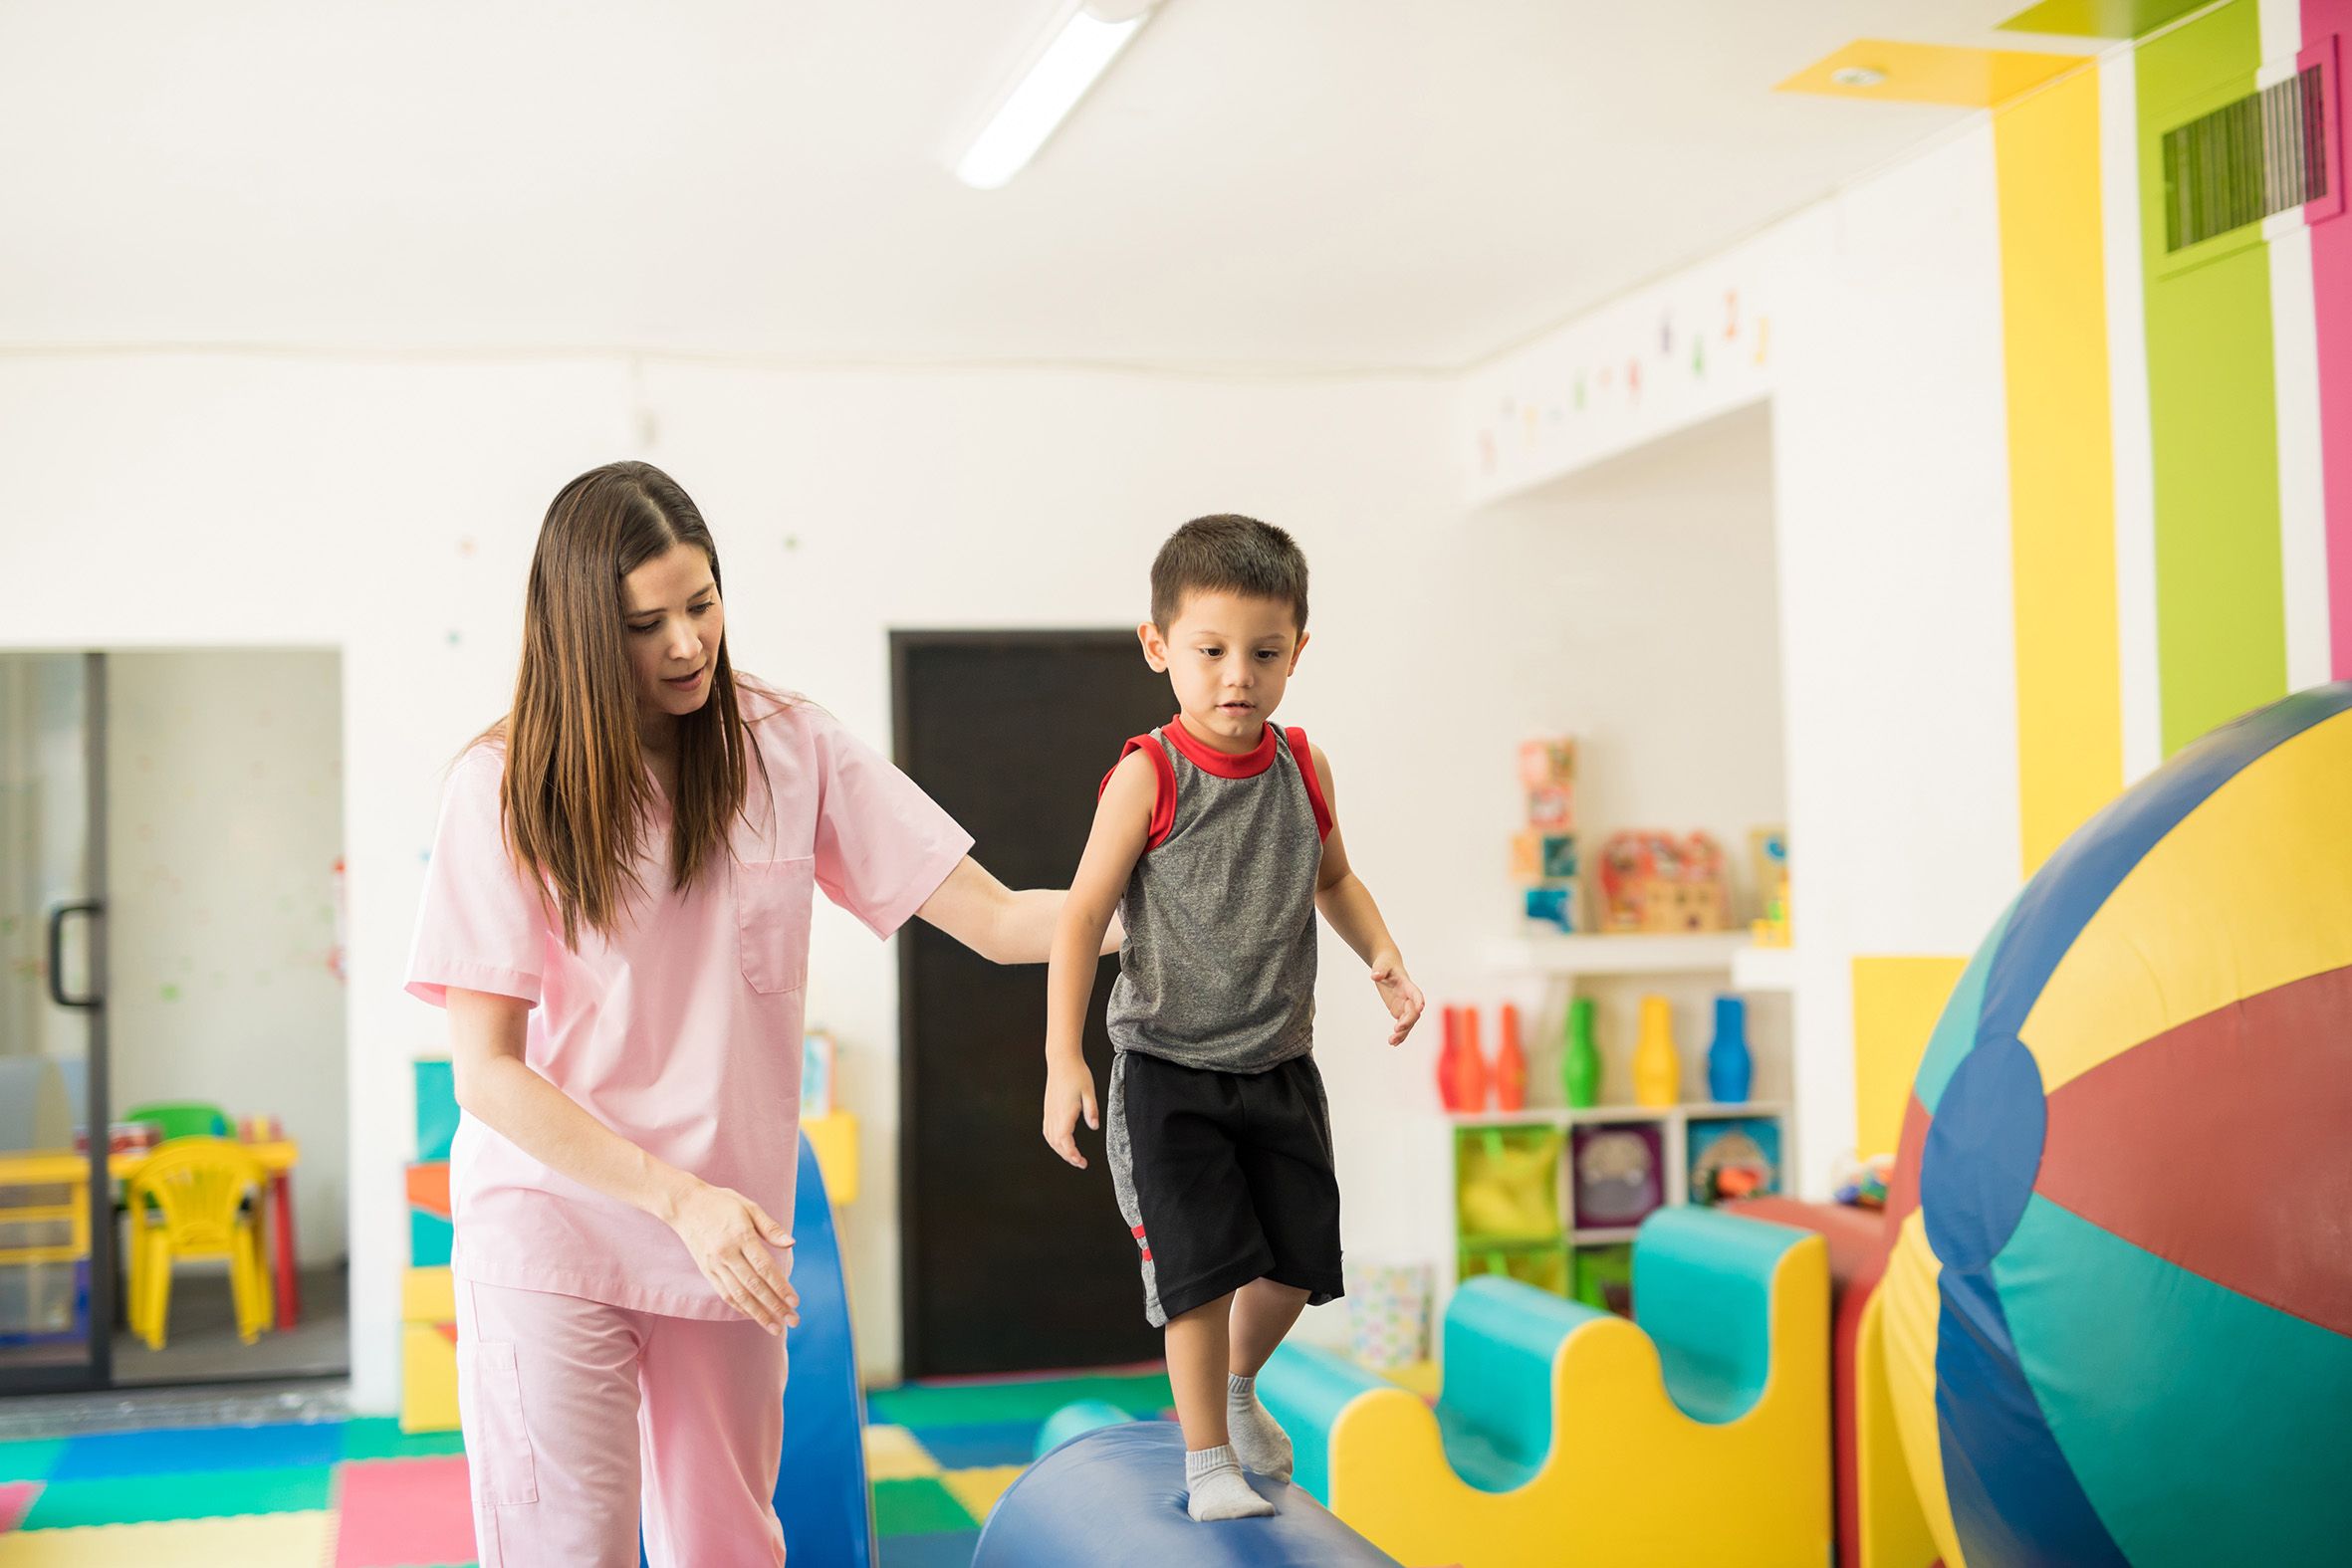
(428, 1379)
(428, 1295)
(835, 1139)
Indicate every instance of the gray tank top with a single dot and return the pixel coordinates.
(1218, 967)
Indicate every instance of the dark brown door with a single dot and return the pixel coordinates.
(1010, 1260)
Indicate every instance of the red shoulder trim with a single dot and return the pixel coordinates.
(1304, 755)
(1163, 804)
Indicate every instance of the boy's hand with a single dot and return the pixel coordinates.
(1070, 1089)
(1400, 997)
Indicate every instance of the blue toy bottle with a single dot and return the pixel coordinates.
(1731, 1069)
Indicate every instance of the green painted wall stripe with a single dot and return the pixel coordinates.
(2099, 18)
(2220, 616)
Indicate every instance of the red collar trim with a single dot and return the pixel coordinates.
(1248, 764)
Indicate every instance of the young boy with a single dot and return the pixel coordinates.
(1214, 841)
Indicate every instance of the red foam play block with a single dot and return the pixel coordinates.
(429, 1187)
(403, 1514)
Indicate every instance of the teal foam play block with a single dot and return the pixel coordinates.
(436, 1109)
(430, 1237)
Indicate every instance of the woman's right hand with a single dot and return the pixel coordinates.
(729, 1236)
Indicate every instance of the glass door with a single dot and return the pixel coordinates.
(57, 1207)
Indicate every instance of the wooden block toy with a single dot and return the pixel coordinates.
(1560, 906)
(1542, 857)
(1655, 882)
(1548, 763)
(1552, 809)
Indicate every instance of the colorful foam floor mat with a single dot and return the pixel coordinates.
(362, 1495)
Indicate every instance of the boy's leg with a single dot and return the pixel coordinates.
(547, 1391)
(1197, 1361)
(1168, 1138)
(713, 1431)
(1262, 1312)
(1285, 1157)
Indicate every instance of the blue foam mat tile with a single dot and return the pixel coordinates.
(286, 1446)
(979, 1447)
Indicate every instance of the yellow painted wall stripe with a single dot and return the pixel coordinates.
(2045, 150)
(2227, 904)
(1897, 1002)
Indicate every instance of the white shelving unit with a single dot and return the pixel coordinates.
(1567, 956)
(1755, 968)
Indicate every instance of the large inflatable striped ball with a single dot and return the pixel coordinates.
(2118, 1315)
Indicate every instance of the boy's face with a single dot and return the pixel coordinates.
(1229, 659)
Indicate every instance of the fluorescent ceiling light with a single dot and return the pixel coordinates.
(1079, 51)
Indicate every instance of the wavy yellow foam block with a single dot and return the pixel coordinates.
(1630, 1478)
(266, 1540)
(1931, 74)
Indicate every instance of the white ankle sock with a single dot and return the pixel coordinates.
(1259, 1440)
(1214, 1478)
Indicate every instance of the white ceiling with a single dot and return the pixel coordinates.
(1295, 184)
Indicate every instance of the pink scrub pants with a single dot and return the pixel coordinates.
(577, 1415)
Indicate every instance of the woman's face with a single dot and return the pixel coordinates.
(671, 621)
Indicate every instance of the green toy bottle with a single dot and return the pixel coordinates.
(1579, 1070)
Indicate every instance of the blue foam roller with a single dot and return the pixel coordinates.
(1114, 1497)
(1072, 1421)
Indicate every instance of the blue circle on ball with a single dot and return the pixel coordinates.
(1984, 1150)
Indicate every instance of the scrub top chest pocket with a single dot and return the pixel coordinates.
(771, 900)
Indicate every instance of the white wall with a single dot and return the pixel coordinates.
(224, 812)
(389, 510)
(1659, 648)
(1883, 369)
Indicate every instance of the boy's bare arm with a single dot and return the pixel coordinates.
(1347, 904)
(1122, 822)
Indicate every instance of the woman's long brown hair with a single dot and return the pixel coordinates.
(576, 794)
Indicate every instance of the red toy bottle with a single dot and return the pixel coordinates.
(1469, 1068)
(1511, 1065)
(1449, 1056)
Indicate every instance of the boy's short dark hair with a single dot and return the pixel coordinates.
(1228, 553)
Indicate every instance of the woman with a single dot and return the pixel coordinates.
(616, 919)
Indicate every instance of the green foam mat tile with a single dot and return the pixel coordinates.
(380, 1438)
(1141, 1394)
(919, 1505)
(194, 1494)
(29, 1460)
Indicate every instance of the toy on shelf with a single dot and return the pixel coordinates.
(1579, 1070)
(1509, 1074)
(1604, 1278)
(1619, 1174)
(1657, 1064)
(1768, 848)
(1863, 1183)
(1544, 855)
(1698, 1432)
(1655, 882)
(1506, 1185)
(1731, 1066)
(1462, 1072)
(1735, 1158)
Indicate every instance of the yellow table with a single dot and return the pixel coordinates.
(64, 1168)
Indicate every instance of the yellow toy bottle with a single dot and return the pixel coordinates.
(1657, 1065)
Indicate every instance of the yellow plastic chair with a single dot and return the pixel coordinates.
(191, 1199)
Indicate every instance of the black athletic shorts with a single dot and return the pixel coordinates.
(1224, 1178)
